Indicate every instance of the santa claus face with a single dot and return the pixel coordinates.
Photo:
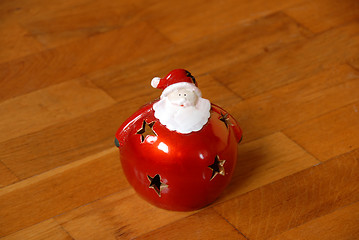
(183, 111)
(183, 97)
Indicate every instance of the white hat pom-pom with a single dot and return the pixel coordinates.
(155, 81)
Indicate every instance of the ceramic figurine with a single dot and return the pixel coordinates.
(179, 152)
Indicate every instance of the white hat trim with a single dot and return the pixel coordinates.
(180, 85)
(155, 81)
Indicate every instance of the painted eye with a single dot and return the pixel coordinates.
(185, 95)
(179, 94)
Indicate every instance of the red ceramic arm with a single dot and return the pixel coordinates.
(236, 129)
(121, 133)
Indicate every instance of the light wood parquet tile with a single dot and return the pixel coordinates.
(123, 215)
(354, 63)
(297, 61)
(264, 161)
(206, 224)
(37, 110)
(199, 57)
(297, 102)
(319, 16)
(80, 21)
(48, 229)
(16, 42)
(72, 71)
(340, 224)
(327, 136)
(77, 58)
(6, 176)
(48, 148)
(189, 23)
(46, 195)
(296, 199)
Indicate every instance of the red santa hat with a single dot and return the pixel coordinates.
(176, 79)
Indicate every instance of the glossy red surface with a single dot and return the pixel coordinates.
(181, 160)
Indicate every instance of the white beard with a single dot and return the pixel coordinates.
(182, 119)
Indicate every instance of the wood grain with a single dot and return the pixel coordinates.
(299, 60)
(16, 42)
(79, 21)
(319, 16)
(71, 72)
(326, 133)
(48, 229)
(74, 59)
(206, 224)
(340, 224)
(297, 102)
(354, 62)
(40, 109)
(59, 190)
(48, 148)
(123, 215)
(216, 17)
(34, 14)
(296, 199)
(201, 56)
(6, 176)
(264, 161)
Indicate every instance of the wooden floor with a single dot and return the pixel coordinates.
(72, 71)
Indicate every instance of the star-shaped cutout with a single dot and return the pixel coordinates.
(217, 167)
(224, 118)
(156, 184)
(146, 130)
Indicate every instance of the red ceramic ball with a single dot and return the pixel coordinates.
(185, 165)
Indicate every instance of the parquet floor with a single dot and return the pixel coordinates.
(72, 71)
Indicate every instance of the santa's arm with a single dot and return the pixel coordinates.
(236, 129)
(126, 126)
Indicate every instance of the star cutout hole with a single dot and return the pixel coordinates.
(217, 167)
(146, 130)
(156, 184)
(224, 118)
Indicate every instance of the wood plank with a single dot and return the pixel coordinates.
(340, 224)
(210, 18)
(297, 61)
(216, 92)
(296, 199)
(22, 10)
(319, 16)
(48, 229)
(123, 89)
(264, 161)
(6, 176)
(262, 35)
(354, 63)
(79, 21)
(16, 42)
(330, 135)
(206, 224)
(287, 70)
(40, 109)
(43, 196)
(76, 58)
(297, 102)
(123, 215)
(65, 142)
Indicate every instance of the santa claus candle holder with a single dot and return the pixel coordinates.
(179, 152)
